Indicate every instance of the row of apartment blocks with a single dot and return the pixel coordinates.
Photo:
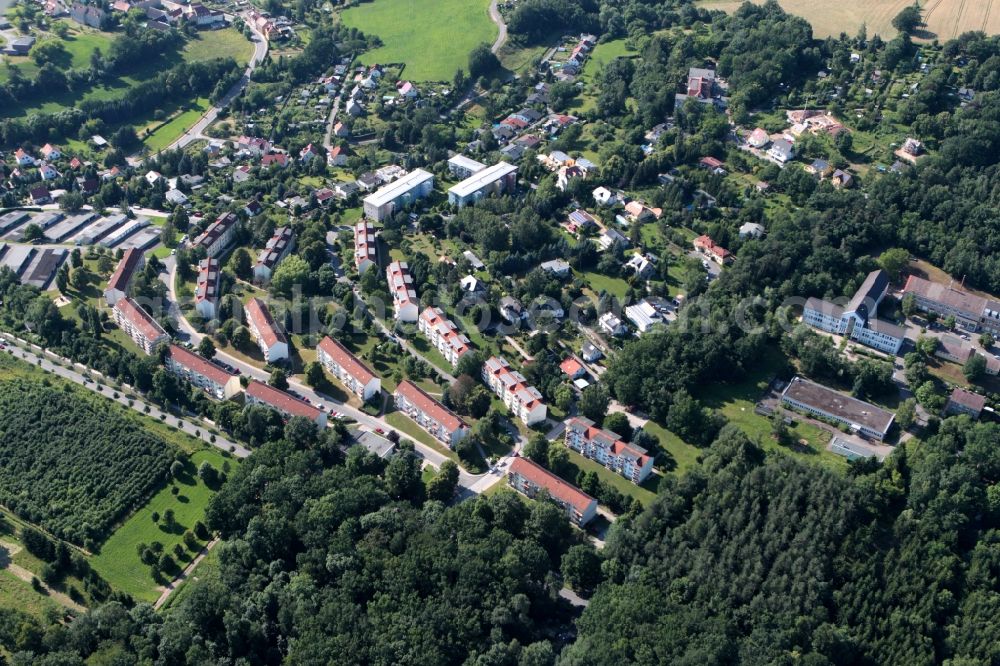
(277, 248)
(265, 331)
(607, 448)
(530, 479)
(404, 296)
(857, 320)
(440, 422)
(443, 334)
(511, 386)
(971, 312)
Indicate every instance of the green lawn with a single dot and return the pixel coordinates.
(602, 54)
(433, 39)
(685, 455)
(227, 43)
(166, 134)
(15, 593)
(598, 282)
(118, 562)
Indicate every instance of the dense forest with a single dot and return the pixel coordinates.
(72, 466)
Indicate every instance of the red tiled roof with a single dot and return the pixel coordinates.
(434, 409)
(208, 280)
(559, 489)
(571, 367)
(281, 400)
(126, 267)
(710, 162)
(968, 399)
(140, 319)
(345, 359)
(262, 320)
(400, 283)
(198, 365)
(445, 328)
(364, 242)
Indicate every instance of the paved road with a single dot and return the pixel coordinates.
(328, 137)
(498, 19)
(196, 131)
(64, 368)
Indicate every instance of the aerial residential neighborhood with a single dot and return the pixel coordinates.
(523, 332)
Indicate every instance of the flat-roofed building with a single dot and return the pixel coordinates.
(393, 197)
(965, 402)
(497, 179)
(204, 374)
(530, 479)
(971, 312)
(404, 296)
(265, 331)
(206, 291)
(461, 166)
(632, 462)
(139, 325)
(511, 386)
(132, 261)
(861, 417)
(857, 319)
(277, 248)
(348, 369)
(218, 235)
(259, 393)
(365, 252)
(439, 421)
(443, 334)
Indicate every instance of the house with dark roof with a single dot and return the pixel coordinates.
(965, 402)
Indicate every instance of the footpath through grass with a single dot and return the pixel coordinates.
(433, 39)
(119, 563)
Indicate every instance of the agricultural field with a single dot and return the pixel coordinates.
(433, 39)
(945, 19)
(69, 464)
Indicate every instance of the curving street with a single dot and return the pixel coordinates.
(498, 19)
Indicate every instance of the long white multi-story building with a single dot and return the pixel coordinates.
(404, 296)
(443, 334)
(861, 417)
(439, 421)
(530, 478)
(258, 393)
(512, 387)
(139, 325)
(607, 448)
(365, 252)
(348, 368)
(201, 373)
(265, 331)
(497, 179)
(857, 320)
(206, 292)
(277, 248)
(218, 235)
(393, 197)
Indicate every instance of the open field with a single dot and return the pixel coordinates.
(226, 43)
(433, 39)
(945, 18)
(168, 132)
(118, 561)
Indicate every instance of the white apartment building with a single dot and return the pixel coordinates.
(348, 369)
(139, 325)
(201, 373)
(512, 387)
(443, 334)
(607, 448)
(265, 331)
(439, 421)
(404, 296)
